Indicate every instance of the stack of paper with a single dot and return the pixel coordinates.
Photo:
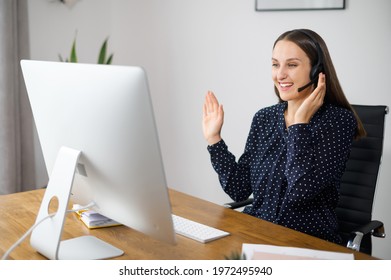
(270, 252)
(93, 219)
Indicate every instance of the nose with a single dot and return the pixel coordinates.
(281, 73)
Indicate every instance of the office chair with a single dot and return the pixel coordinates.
(358, 183)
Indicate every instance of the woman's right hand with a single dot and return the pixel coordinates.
(213, 119)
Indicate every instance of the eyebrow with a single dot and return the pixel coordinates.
(289, 59)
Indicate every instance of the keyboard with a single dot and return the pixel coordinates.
(196, 231)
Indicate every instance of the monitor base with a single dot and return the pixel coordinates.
(46, 236)
(87, 248)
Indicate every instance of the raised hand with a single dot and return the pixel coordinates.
(213, 119)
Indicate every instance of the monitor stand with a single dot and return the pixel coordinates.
(46, 237)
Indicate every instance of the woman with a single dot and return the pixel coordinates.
(296, 150)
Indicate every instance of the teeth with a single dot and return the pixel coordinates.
(285, 85)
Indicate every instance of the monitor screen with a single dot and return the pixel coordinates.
(105, 112)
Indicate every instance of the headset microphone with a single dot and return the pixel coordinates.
(306, 86)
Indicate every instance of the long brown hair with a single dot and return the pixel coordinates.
(311, 43)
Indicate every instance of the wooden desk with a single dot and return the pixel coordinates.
(18, 213)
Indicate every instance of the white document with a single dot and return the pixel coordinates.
(270, 252)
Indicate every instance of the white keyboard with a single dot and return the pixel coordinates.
(199, 232)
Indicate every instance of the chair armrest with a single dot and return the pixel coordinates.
(376, 228)
(235, 205)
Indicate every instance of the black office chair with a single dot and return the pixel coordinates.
(358, 183)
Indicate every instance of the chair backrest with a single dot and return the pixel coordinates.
(359, 180)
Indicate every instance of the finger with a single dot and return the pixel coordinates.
(208, 103)
(322, 85)
(212, 97)
(204, 110)
(322, 80)
(221, 111)
(320, 89)
(214, 103)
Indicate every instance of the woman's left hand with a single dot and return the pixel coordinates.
(312, 103)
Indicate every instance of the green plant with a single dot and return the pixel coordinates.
(73, 56)
(102, 54)
(101, 57)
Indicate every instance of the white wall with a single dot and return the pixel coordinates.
(189, 47)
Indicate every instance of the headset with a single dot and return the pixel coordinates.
(318, 67)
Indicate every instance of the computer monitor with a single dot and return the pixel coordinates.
(99, 121)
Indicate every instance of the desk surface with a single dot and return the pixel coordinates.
(18, 213)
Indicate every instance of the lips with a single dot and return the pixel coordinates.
(285, 86)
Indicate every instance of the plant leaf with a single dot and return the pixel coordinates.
(109, 59)
(73, 57)
(102, 53)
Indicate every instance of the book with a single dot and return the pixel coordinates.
(92, 219)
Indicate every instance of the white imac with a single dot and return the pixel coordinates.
(99, 140)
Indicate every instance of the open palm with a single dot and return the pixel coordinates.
(213, 119)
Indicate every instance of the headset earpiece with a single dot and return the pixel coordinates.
(317, 68)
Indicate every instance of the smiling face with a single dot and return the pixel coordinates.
(290, 70)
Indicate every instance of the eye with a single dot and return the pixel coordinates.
(292, 65)
(274, 65)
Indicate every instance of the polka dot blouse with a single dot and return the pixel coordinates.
(294, 174)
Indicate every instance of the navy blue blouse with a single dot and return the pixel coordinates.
(294, 174)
